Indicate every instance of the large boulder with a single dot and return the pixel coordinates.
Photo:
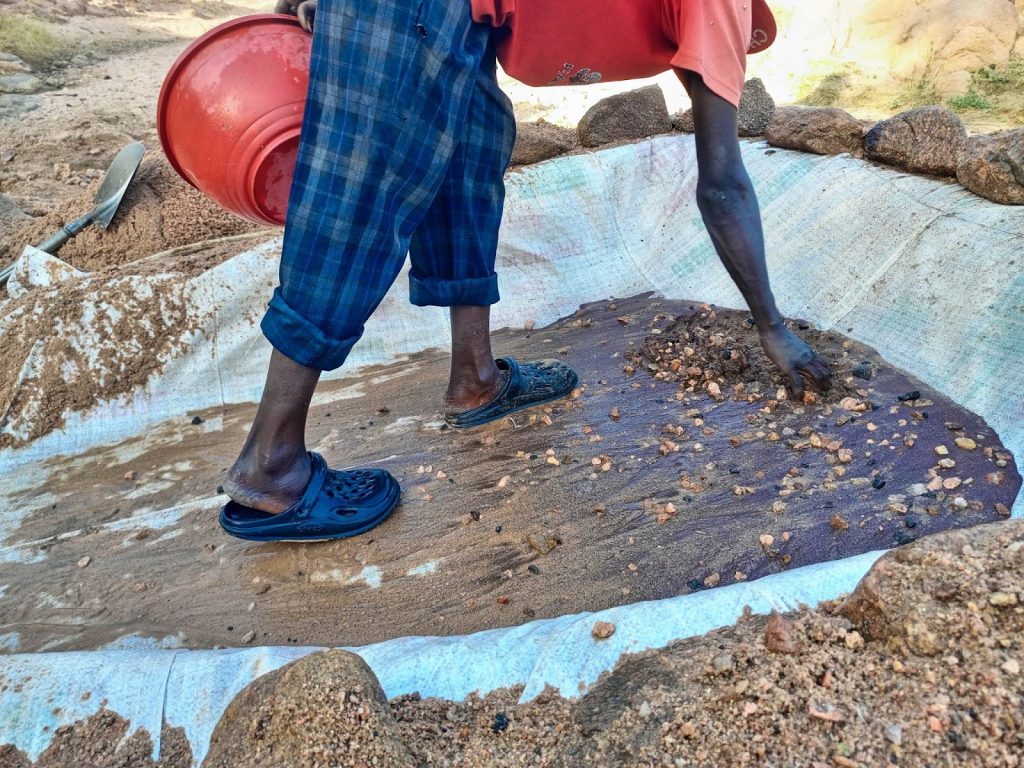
(326, 709)
(822, 130)
(932, 596)
(683, 121)
(923, 140)
(755, 110)
(536, 142)
(625, 117)
(993, 166)
(20, 82)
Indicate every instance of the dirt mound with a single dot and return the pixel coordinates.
(837, 698)
(103, 741)
(160, 211)
(281, 720)
(57, 327)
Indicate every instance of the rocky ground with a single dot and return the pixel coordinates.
(920, 666)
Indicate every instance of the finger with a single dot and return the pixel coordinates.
(283, 6)
(306, 14)
(796, 384)
(824, 373)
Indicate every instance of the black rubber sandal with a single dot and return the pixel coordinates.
(336, 505)
(527, 385)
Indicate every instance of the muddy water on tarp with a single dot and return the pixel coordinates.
(636, 489)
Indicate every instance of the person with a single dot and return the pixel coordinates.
(405, 140)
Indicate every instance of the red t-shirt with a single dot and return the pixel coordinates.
(559, 42)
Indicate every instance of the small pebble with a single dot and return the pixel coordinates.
(864, 371)
(83, 562)
(500, 722)
(905, 537)
(196, 421)
(908, 396)
(248, 637)
(1002, 599)
(893, 734)
(965, 443)
(723, 663)
(602, 630)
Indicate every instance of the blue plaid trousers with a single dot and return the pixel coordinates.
(405, 141)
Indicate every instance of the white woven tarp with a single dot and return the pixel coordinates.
(923, 271)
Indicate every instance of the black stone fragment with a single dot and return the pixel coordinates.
(908, 396)
(500, 722)
(878, 483)
(864, 371)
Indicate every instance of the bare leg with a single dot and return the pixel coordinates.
(273, 470)
(730, 211)
(475, 380)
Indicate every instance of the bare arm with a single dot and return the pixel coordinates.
(731, 214)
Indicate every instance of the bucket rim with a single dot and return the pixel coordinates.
(250, 20)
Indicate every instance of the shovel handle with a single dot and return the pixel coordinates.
(53, 243)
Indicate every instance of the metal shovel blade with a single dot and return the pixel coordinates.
(115, 183)
(108, 197)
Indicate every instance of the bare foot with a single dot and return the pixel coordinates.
(269, 486)
(469, 391)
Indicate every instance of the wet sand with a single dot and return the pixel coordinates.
(636, 489)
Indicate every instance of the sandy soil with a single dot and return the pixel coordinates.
(637, 489)
(921, 666)
(101, 95)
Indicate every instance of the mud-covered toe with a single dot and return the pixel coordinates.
(526, 385)
(336, 505)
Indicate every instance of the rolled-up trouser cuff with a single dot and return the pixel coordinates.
(466, 292)
(298, 339)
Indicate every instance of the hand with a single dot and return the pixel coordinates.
(798, 361)
(304, 10)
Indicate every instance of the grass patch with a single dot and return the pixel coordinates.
(921, 94)
(828, 90)
(996, 81)
(31, 41)
(969, 101)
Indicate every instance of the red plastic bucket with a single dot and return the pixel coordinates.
(230, 113)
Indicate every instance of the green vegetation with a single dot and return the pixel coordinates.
(826, 93)
(995, 81)
(968, 101)
(921, 94)
(994, 90)
(30, 41)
